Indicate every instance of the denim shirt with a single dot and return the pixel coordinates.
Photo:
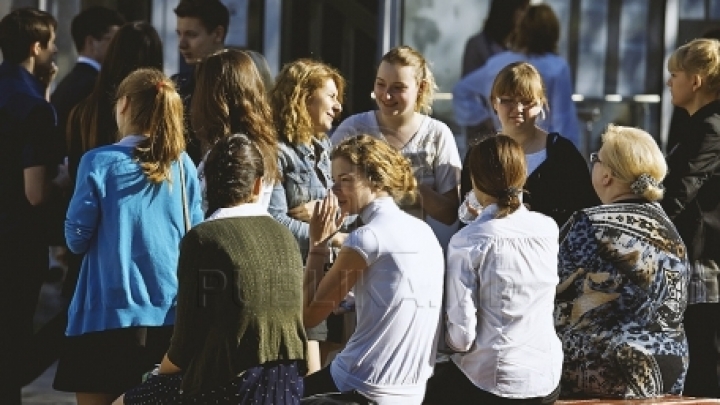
(305, 177)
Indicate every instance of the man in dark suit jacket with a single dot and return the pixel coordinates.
(201, 27)
(92, 31)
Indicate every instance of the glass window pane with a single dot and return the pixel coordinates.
(562, 10)
(692, 9)
(593, 47)
(633, 47)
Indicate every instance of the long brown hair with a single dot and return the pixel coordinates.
(135, 45)
(230, 98)
(498, 169)
(157, 111)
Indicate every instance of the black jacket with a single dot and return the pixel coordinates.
(561, 184)
(692, 186)
(72, 89)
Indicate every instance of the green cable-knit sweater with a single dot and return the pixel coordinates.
(239, 300)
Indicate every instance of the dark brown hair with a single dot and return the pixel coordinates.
(230, 98)
(135, 45)
(498, 169)
(231, 168)
(538, 31)
(22, 28)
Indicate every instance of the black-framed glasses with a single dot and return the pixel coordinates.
(595, 158)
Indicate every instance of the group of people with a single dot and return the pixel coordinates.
(224, 229)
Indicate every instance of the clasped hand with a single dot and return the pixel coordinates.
(325, 221)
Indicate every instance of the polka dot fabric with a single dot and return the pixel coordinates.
(263, 385)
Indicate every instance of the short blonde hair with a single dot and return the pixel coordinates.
(407, 56)
(631, 152)
(699, 57)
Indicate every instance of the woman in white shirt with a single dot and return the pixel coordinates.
(395, 266)
(500, 290)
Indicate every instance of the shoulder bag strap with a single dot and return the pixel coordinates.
(186, 214)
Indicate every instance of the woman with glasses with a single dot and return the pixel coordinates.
(558, 181)
(623, 279)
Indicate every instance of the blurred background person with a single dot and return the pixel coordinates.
(202, 26)
(234, 351)
(691, 201)
(133, 202)
(502, 18)
(535, 41)
(91, 30)
(623, 280)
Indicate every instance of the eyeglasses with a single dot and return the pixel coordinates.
(513, 102)
(595, 158)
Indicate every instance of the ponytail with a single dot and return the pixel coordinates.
(156, 111)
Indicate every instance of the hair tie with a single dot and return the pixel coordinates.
(159, 85)
(510, 192)
(643, 182)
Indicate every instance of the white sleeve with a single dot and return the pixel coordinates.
(365, 242)
(461, 294)
(447, 163)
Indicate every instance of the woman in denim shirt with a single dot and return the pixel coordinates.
(306, 100)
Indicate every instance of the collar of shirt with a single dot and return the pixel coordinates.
(21, 74)
(242, 210)
(131, 140)
(89, 61)
(374, 206)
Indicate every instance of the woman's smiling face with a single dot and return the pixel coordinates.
(396, 89)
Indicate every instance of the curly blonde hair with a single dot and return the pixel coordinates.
(386, 168)
(294, 85)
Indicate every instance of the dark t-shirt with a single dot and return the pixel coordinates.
(29, 136)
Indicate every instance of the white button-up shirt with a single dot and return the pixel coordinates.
(500, 291)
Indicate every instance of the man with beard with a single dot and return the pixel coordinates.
(29, 179)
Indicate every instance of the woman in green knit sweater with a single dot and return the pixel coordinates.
(239, 335)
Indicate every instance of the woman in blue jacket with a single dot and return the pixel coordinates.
(132, 204)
